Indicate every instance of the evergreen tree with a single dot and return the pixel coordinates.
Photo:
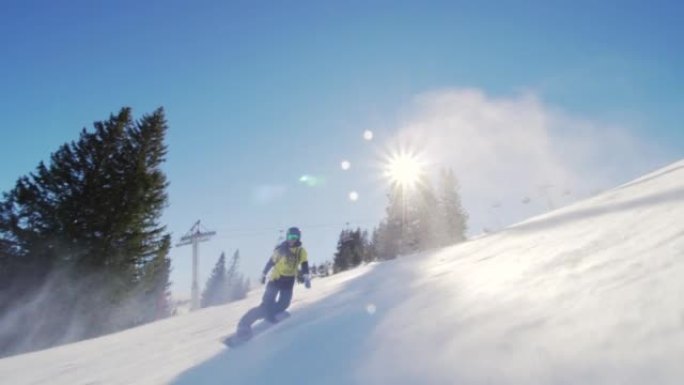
(366, 247)
(225, 284)
(425, 224)
(352, 248)
(215, 291)
(387, 238)
(236, 284)
(232, 272)
(419, 219)
(341, 259)
(453, 217)
(373, 246)
(359, 247)
(88, 222)
(239, 288)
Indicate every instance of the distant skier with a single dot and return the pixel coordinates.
(285, 261)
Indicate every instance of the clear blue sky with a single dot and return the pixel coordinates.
(259, 93)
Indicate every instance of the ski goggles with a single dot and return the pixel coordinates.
(292, 237)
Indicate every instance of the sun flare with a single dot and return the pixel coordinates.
(404, 169)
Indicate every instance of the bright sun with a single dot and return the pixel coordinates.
(404, 169)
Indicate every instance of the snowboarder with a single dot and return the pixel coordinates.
(285, 261)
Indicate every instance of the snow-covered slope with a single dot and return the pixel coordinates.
(589, 294)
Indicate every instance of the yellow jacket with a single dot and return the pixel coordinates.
(286, 260)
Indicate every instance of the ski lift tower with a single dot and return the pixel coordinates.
(194, 237)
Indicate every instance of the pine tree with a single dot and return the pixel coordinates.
(236, 284)
(424, 232)
(225, 284)
(419, 219)
(358, 248)
(341, 259)
(366, 247)
(352, 249)
(88, 222)
(232, 272)
(239, 288)
(215, 291)
(453, 217)
(373, 245)
(388, 240)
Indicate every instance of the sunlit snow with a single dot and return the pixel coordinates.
(588, 294)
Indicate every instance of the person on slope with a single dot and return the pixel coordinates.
(285, 261)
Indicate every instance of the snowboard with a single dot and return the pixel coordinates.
(234, 340)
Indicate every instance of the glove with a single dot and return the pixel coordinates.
(307, 281)
(263, 279)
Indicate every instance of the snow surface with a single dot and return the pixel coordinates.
(589, 294)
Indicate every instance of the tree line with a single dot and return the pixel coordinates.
(225, 285)
(417, 219)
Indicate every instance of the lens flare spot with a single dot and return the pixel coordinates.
(311, 181)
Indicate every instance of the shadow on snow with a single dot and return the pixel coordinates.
(324, 341)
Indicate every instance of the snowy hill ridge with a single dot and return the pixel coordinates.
(588, 294)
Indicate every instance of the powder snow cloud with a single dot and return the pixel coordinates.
(516, 156)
